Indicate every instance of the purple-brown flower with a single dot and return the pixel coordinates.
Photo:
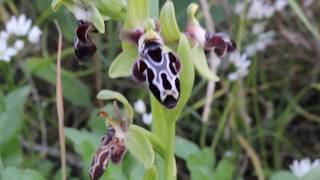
(112, 147)
(83, 45)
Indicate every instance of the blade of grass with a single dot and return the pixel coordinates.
(296, 8)
(60, 111)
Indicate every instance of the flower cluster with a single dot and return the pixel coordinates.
(17, 31)
(301, 168)
(140, 107)
(241, 63)
(261, 9)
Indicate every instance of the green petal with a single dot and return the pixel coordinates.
(140, 147)
(201, 64)
(169, 27)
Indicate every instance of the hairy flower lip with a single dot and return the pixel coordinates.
(84, 46)
(220, 43)
(112, 147)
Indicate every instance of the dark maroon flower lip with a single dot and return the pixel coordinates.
(220, 43)
(111, 147)
(160, 71)
(83, 44)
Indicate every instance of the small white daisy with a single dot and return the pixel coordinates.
(241, 63)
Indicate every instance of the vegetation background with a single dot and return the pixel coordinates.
(272, 119)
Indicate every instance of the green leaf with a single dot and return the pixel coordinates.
(12, 173)
(55, 4)
(109, 95)
(201, 165)
(11, 119)
(122, 65)
(11, 152)
(201, 64)
(313, 174)
(185, 148)
(283, 175)
(140, 147)
(151, 173)
(137, 13)
(169, 27)
(85, 143)
(225, 170)
(73, 89)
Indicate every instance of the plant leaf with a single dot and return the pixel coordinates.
(12, 173)
(73, 89)
(108, 95)
(201, 165)
(224, 170)
(11, 119)
(313, 174)
(201, 64)
(122, 65)
(185, 148)
(283, 175)
(140, 147)
(169, 27)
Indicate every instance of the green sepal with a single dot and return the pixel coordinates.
(113, 95)
(140, 147)
(151, 173)
(168, 23)
(122, 64)
(137, 13)
(201, 64)
(55, 4)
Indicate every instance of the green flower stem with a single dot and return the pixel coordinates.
(170, 162)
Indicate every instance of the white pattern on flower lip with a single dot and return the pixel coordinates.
(12, 38)
(302, 167)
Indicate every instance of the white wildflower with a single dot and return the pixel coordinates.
(279, 5)
(34, 35)
(18, 26)
(147, 118)
(8, 54)
(300, 168)
(259, 27)
(4, 35)
(19, 44)
(140, 107)
(263, 40)
(241, 63)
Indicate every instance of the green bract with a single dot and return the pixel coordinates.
(121, 66)
(140, 147)
(151, 174)
(201, 64)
